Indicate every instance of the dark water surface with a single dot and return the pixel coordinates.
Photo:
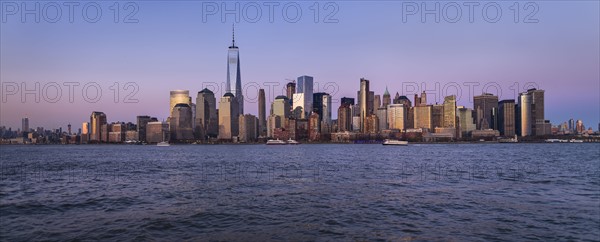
(419, 192)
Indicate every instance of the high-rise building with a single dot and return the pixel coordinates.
(181, 122)
(290, 89)
(314, 127)
(437, 116)
(281, 107)
(530, 113)
(262, 113)
(344, 118)
(97, 120)
(305, 87)
(179, 96)
(85, 132)
(234, 75)
(364, 104)
(506, 117)
(524, 115)
(228, 117)
(372, 124)
(579, 127)
(376, 102)
(537, 112)
(207, 121)
(248, 128)
(572, 125)
(25, 124)
(396, 114)
(381, 114)
(465, 121)
(422, 117)
(450, 112)
(322, 106)
(274, 122)
(486, 109)
(141, 122)
(387, 99)
(157, 132)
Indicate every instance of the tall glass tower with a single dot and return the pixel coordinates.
(234, 74)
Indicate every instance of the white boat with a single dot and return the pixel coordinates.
(292, 142)
(163, 143)
(394, 142)
(509, 140)
(276, 142)
(575, 141)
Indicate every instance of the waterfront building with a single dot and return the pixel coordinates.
(396, 114)
(206, 119)
(97, 119)
(486, 109)
(506, 117)
(364, 104)
(181, 123)
(228, 117)
(262, 114)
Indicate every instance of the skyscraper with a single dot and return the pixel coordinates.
(179, 96)
(506, 117)
(305, 86)
(141, 122)
(421, 101)
(437, 116)
(322, 106)
(364, 104)
(97, 120)
(181, 122)
(25, 124)
(465, 120)
(537, 112)
(450, 112)
(571, 125)
(262, 115)
(524, 115)
(422, 117)
(486, 108)
(234, 74)
(248, 130)
(396, 114)
(531, 113)
(228, 117)
(290, 89)
(376, 102)
(344, 118)
(206, 114)
(281, 107)
(387, 99)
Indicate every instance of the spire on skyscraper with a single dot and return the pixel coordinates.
(233, 35)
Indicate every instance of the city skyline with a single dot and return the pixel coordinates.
(563, 102)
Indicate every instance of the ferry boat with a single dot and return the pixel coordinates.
(276, 142)
(394, 142)
(163, 144)
(292, 142)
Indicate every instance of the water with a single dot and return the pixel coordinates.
(427, 192)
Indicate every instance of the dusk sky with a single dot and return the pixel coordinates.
(171, 47)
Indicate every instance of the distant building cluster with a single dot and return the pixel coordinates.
(303, 115)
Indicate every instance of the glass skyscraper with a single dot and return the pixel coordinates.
(234, 74)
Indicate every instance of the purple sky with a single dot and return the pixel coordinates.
(171, 47)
